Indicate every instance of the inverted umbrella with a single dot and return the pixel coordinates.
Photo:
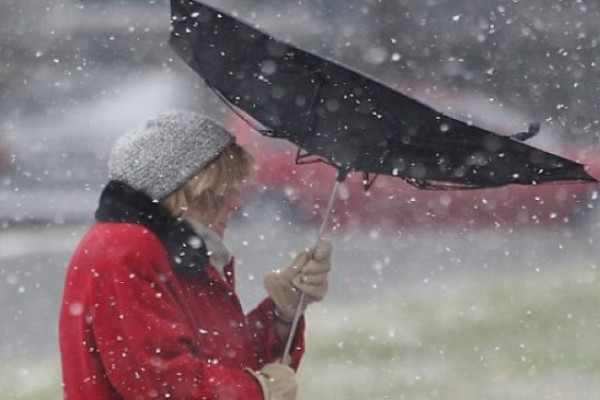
(347, 119)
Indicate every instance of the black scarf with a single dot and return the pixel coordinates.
(119, 202)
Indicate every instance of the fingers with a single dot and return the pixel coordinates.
(314, 267)
(313, 280)
(313, 292)
(300, 260)
(283, 294)
(307, 273)
(322, 250)
(294, 268)
(313, 277)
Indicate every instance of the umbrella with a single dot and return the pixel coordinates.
(348, 120)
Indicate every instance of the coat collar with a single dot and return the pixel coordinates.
(119, 202)
(220, 268)
(218, 253)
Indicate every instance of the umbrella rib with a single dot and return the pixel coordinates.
(368, 181)
(303, 159)
(235, 109)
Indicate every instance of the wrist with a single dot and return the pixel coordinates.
(281, 317)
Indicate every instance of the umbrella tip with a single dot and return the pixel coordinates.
(534, 129)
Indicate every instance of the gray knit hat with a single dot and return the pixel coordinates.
(164, 153)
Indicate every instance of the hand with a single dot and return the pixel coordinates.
(306, 273)
(278, 382)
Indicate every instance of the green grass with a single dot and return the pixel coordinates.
(31, 379)
(534, 336)
(524, 336)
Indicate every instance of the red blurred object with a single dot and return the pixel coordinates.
(392, 203)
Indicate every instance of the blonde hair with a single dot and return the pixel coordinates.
(206, 189)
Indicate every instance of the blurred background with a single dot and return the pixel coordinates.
(479, 294)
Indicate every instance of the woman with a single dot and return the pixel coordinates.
(149, 308)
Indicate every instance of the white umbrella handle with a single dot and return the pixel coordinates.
(288, 346)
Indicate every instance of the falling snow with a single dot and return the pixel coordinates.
(473, 294)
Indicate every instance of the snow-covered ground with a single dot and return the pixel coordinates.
(530, 335)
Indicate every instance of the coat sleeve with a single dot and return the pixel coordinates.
(270, 347)
(144, 339)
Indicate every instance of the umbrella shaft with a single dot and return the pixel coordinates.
(298, 312)
(328, 210)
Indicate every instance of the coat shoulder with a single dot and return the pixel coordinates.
(114, 243)
(122, 235)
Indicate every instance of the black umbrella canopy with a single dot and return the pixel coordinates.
(346, 118)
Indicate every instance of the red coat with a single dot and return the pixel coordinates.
(133, 327)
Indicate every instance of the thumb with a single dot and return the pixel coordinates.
(322, 250)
